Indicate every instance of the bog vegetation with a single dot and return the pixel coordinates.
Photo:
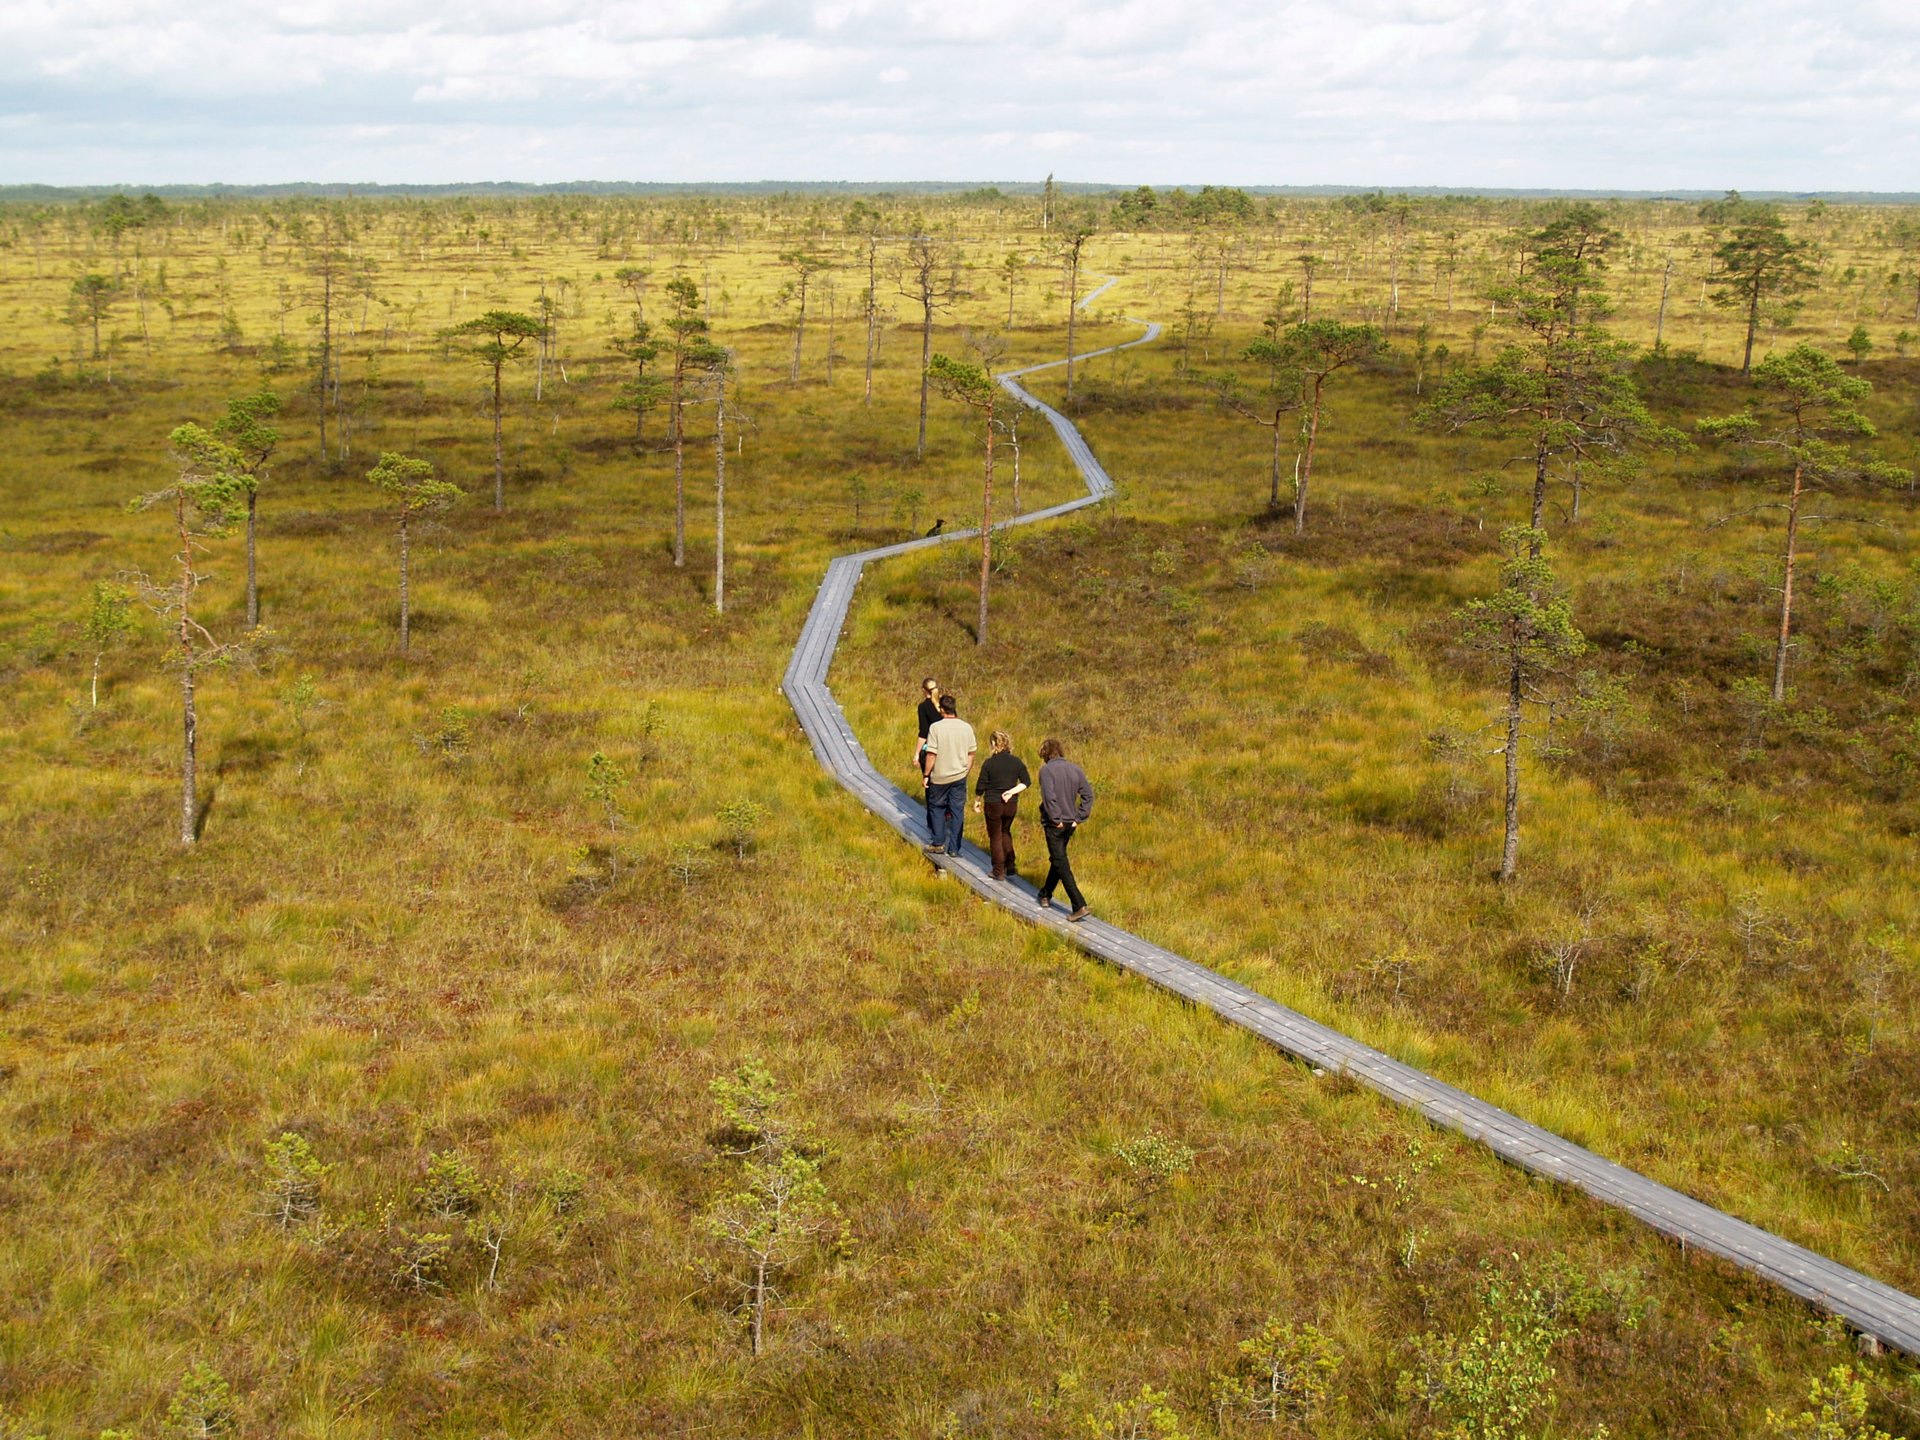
(443, 997)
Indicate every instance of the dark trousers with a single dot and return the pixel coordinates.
(947, 803)
(1000, 815)
(1059, 870)
(920, 764)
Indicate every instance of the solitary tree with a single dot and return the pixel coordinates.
(413, 493)
(867, 224)
(494, 339)
(928, 279)
(1321, 349)
(804, 265)
(1756, 261)
(202, 505)
(247, 427)
(1562, 386)
(1806, 412)
(974, 388)
(333, 267)
(1527, 626)
(1267, 403)
(780, 1210)
(717, 361)
(688, 343)
(642, 390)
(93, 296)
(1071, 241)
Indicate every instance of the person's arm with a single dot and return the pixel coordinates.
(1083, 800)
(927, 752)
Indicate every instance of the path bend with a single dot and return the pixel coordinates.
(1876, 1310)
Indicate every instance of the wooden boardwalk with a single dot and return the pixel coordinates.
(1888, 1316)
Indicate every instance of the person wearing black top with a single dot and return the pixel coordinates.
(997, 795)
(929, 717)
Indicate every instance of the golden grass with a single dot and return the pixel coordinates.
(398, 943)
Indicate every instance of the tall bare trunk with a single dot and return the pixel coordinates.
(326, 351)
(799, 331)
(1273, 470)
(873, 313)
(926, 358)
(1510, 850)
(1753, 324)
(1306, 466)
(1660, 318)
(1786, 589)
(986, 533)
(499, 460)
(719, 491)
(189, 714)
(678, 416)
(406, 598)
(253, 586)
(1073, 310)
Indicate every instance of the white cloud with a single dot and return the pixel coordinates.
(1627, 93)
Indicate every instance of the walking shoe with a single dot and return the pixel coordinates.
(1045, 902)
(933, 849)
(1081, 914)
(998, 876)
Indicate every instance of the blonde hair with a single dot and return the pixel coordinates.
(1000, 740)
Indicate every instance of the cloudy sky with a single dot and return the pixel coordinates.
(1637, 94)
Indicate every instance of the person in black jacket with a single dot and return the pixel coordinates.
(929, 717)
(1066, 803)
(997, 796)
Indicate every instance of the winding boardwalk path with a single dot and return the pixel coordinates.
(1885, 1315)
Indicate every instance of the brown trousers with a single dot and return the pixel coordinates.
(999, 815)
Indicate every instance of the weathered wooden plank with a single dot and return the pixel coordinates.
(1877, 1309)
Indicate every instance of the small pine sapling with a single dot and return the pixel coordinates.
(203, 1405)
(741, 820)
(1284, 1373)
(606, 780)
(294, 1174)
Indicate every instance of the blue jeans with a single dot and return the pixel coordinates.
(947, 805)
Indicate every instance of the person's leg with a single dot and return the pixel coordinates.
(1065, 866)
(956, 802)
(997, 819)
(1056, 859)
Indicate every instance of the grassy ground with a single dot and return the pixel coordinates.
(407, 932)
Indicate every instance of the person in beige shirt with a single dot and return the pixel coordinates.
(946, 762)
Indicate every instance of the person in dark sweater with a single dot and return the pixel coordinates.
(929, 717)
(997, 796)
(1066, 803)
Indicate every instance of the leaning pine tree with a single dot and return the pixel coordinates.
(1527, 626)
(202, 505)
(410, 485)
